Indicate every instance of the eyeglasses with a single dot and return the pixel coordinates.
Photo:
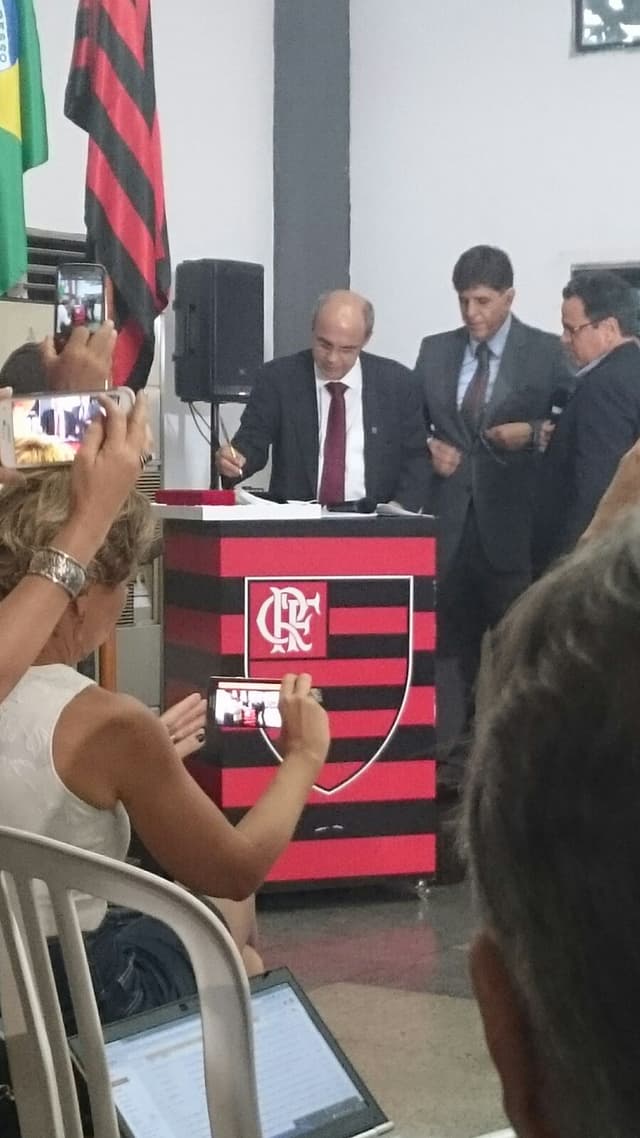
(567, 331)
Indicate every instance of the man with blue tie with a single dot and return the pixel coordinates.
(487, 389)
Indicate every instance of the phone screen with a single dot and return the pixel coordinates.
(244, 705)
(49, 428)
(80, 298)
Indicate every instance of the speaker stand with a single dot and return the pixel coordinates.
(214, 478)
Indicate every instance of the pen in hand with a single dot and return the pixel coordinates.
(225, 435)
(237, 459)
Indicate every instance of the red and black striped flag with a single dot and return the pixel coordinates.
(111, 94)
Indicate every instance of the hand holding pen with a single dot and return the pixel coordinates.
(229, 462)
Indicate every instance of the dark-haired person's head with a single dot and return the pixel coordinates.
(483, 280)
(551, 828)
(599, 312)
(25, 370)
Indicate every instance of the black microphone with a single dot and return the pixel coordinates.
(361, 506)
(559, 400)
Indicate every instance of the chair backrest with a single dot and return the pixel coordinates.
(41, 1069)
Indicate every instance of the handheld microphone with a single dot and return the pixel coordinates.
(559, 400)
(360, 506)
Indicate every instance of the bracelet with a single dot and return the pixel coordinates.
(60, 568)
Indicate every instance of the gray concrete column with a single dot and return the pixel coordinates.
(311, 161)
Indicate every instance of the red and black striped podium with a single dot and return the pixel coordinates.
(350, 600)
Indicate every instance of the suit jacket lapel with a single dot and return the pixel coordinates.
(509, 369)
(304, 416)
(370, 422)
(456, 348)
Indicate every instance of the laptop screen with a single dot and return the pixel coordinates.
(306, 1087)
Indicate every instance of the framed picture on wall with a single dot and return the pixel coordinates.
(601, 24)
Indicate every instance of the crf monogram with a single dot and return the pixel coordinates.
(284, 619)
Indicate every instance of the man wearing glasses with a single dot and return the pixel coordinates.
(487, 390)
(602, 419)
(343, 424)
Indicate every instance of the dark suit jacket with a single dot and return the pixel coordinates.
(282, 412)
(601, 421)
(500, 483)
(71, 421)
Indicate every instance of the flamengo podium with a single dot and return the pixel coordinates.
(351, 600)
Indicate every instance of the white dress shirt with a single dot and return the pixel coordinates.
(59, 424)
(354, 487)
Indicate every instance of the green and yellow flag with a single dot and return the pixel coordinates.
(23, 129)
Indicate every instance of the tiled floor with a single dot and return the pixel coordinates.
(387, 970)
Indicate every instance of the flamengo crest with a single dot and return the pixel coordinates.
(354, 635)
(284, 619)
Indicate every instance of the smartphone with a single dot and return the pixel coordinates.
(47, 428)
(237, 703)
(81, 300)
(240, 704)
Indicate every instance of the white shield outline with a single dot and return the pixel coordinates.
(405, 695)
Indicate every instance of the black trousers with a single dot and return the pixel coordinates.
(473, 596)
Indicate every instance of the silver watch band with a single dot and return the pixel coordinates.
(60, 568)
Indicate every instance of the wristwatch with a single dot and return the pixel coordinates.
(60, 568)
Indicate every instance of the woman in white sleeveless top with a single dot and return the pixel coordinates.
(78, 762)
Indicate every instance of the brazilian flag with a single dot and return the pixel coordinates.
(23, 129)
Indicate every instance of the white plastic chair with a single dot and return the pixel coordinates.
(41, 1069)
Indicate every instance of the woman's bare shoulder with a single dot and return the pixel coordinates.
(101, 738)
(98, 709)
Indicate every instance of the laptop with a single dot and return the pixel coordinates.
(307, 1088)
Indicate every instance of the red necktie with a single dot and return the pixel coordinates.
(475, 396)
(335, 447)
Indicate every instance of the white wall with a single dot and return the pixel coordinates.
(473, 123)
(214, 86)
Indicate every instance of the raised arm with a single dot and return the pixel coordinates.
(106, 467)
(134, 760)
(257, 431)
(259, 425)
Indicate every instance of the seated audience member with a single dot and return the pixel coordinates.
(84, 364)
(76, 761)
(551, 827)
(104, 470)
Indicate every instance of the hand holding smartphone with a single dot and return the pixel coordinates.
(47, 428)
(237, 703)
(81, 300)
(238, 706)
(241, 704)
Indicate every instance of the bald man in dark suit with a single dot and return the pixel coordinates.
(289, 412)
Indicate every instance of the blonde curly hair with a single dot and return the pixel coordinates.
(35, 508)
(32, 450)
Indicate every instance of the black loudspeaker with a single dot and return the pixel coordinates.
(219, 307)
